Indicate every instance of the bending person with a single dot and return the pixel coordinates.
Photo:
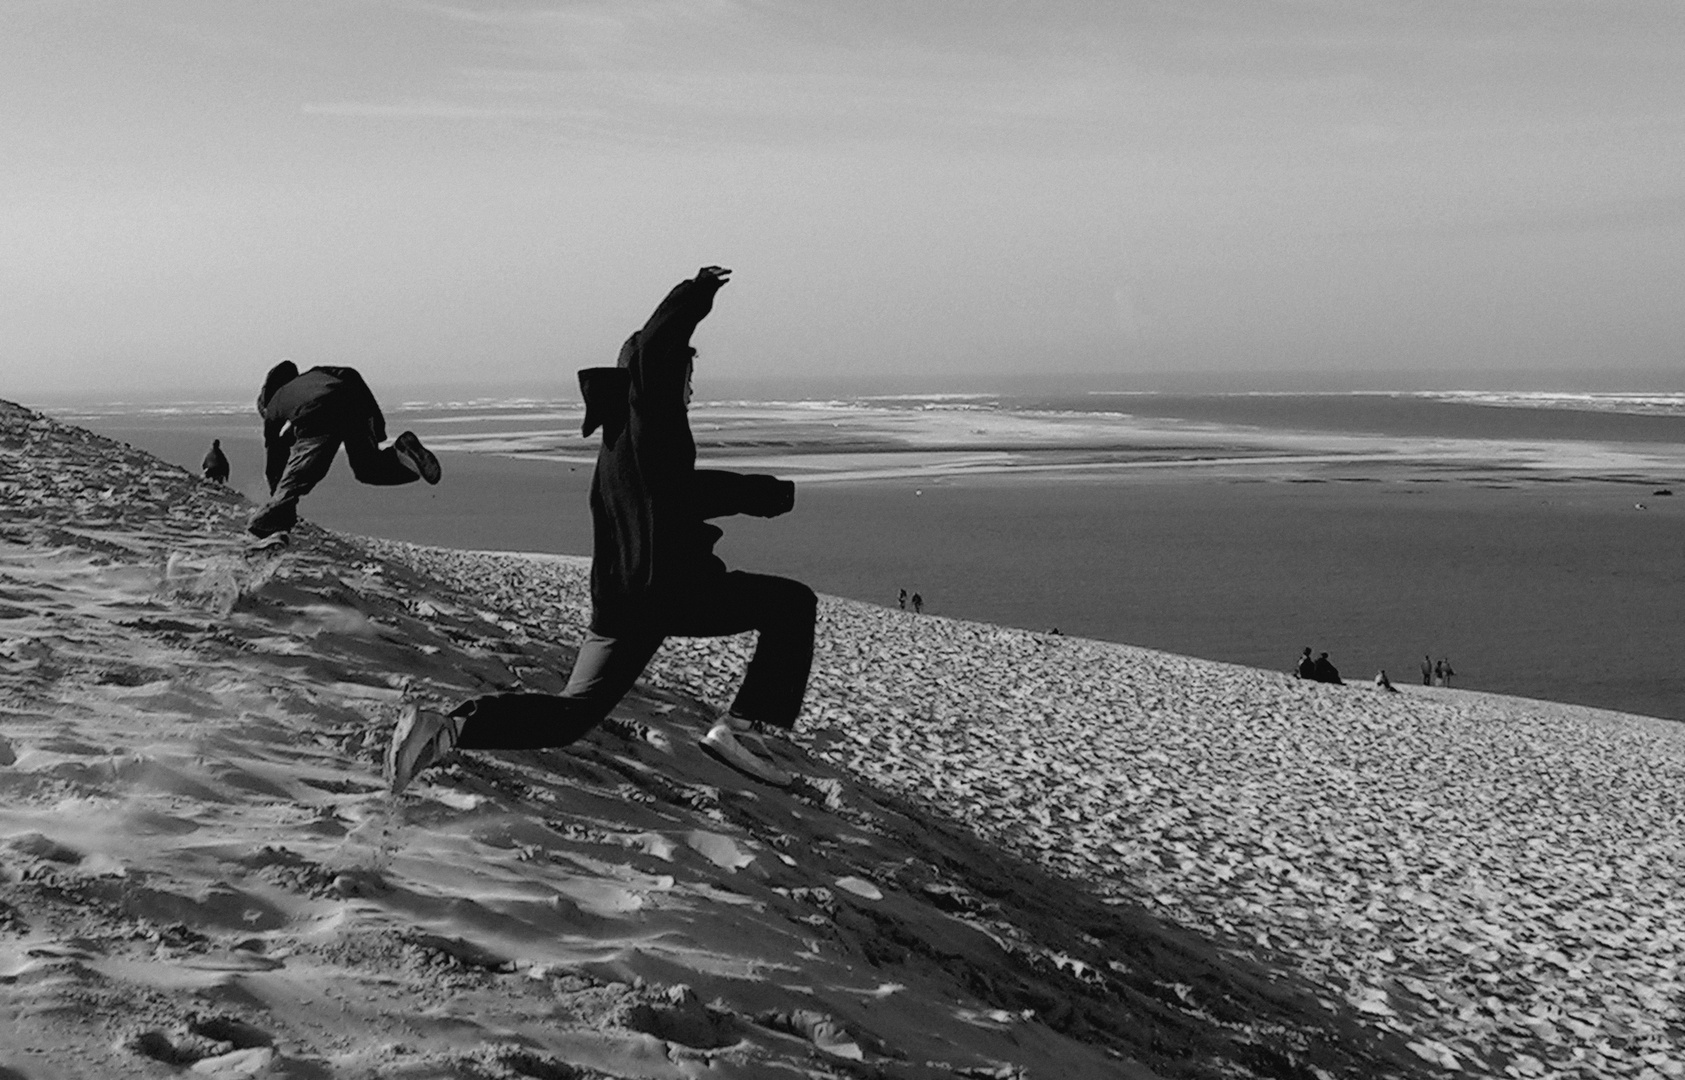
(654, 573)
(305, 420)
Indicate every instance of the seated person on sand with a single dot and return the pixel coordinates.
(1306, 668)
(1323, 670)
(305, 419)
(1385, 683)
(653, 569)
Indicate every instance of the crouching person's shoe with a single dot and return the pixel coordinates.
(423, 738)
(274, 517)
(721, 743)
(416, 457)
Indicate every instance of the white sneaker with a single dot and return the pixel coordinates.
(423, 738)
(721, 743)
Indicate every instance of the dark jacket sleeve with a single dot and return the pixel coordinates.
(659, 352)
(720, 494)
(276, 448)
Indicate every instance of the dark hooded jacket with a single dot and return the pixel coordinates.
(322, 401)
(215, 465)
(649, 501)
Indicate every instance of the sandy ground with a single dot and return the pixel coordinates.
(1007, 854)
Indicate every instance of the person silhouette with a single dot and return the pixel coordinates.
(215, 466)
(306, 418)
(902, 599)
(918, 603)
(1306, 668)
(654, 573)
(1324, 671)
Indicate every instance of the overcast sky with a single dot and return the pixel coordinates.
(500, 192)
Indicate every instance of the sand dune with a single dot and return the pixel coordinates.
(1007, 855)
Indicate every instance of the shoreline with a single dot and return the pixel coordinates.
(1532, 582)
(1006, 848)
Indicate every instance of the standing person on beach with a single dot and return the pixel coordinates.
(1427, 672)
(653, 568)
(215, 466)
(305, 420)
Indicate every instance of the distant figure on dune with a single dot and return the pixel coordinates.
(918, 603)
(305, 419)
(1385, 683)
(1442, 672)
(902, 599)
(653, 569)
(215, 466)
(1306, 668)
(1427, 672)
(1323, 670)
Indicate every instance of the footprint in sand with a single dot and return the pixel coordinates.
(722, 851)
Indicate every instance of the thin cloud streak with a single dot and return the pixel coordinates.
(976, 185)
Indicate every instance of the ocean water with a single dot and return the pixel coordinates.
(1521, 536)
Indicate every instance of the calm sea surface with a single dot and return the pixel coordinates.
(1519, 535)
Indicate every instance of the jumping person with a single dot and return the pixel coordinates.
(305, 419)
(654, 573)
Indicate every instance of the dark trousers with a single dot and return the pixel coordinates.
(781, 610)
(308, 463)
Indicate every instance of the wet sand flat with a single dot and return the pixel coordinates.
(1543, 582)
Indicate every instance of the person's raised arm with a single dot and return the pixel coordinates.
(659, 353)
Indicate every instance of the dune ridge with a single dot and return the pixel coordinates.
(1008, 854)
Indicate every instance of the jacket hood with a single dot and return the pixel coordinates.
(279, 375)
(607, 392)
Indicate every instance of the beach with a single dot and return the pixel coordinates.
(1527, 545)
(1008, 853)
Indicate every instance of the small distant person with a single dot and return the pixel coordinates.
(1439, 672)
(1306, 668)
(1385, 683)
(653, 569)
(1427, 672)
(215, 466)
(918, 603)
(1446, 672)
(306, 418)
(1324, 671)
(902, 599)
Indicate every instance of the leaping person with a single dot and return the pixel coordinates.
(305, 420)
(654, 573)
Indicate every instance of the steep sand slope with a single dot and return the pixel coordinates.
(1007, 855)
